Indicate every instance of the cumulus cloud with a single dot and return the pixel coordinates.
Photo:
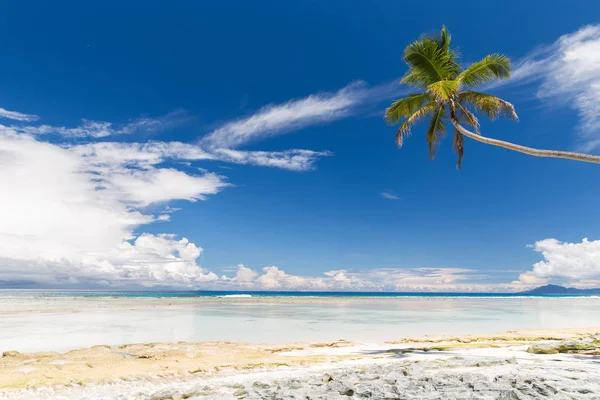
(244, 276)
(577, 263)
(274, 278)
(68, 215)
(568, 74)
(17, 116)
(378, 279)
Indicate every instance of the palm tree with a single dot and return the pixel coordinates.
(448, 97)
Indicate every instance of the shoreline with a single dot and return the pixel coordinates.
(106, 365)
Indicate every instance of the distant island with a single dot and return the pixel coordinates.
(556, 289)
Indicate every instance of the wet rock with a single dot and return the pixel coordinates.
(240, 394)
(588, 345)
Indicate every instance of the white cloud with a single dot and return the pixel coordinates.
(100, 129)
(379, 279)
(151, 153)
(576, 262)
(244, 276)
(274, 119)
(70, 217)
(295, 160)
(274, 278)
(17, 116)
(568, 73)
(388, 194)
(139, 155)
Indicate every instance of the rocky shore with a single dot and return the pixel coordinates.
(516, 366)
(455, 377)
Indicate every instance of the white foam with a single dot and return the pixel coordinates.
(239, 296)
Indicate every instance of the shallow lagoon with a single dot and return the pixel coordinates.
(36, 322)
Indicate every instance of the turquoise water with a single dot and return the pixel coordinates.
(185, 294)
(60, 321)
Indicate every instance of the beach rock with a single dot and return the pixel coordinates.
(587, 345)
(240, 394)
(326, 378)
(511, 395)
(294, 384)
(166, 395)
(544, 348)
(11, 353)
(260, 385)
(237, 386)
(491, 363)
(340, 387)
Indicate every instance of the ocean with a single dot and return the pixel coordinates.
(207, 293)
(61, 321)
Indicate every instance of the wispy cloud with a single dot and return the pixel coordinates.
(17, 116)
(100, 129)
(567, 73)
(295, 159)
(276, 119)
(388, 194)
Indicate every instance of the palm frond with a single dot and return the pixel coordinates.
(493, 66)
(444, 39)
(405, 127)
(436, 129)
(458, 146)
(491, 106)
(444, 89)
(405, 107)
(467, 117)
(415, 78)
(428, 62)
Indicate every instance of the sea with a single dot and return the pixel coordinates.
(48, 320)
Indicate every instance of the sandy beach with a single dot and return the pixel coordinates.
(376, 351)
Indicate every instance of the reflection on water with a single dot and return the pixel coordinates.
(69, 323)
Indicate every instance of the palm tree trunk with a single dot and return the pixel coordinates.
(528, 150)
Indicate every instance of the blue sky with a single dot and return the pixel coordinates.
(255, 132)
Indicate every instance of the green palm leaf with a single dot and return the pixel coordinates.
(436, 129)
(493, 66)
(444, 39)
(405, 107)
(428, 62)
(406, 126)
(444, 89)
(467, 117)
(491, 106)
